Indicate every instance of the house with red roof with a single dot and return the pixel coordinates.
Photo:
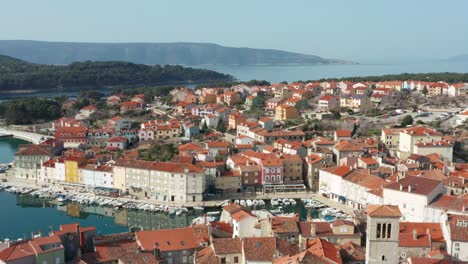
(86, 112)
(328, 102)
(117, 143)
(72, 137)
(130, 106)
(176, 245)
(413, 194)
(455, 230)
(47, 249)
(409, 137)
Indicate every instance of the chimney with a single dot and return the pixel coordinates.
(409, 188)
(313, 229)
(415, 234)
(428, 231)
(401, 187)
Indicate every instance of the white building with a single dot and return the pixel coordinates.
(60, 170)
(455, 230)
(411, 136)
(443, 148)
(412, 195)
(98, 176)
(243, 224)
(331, 180)
(177, 182)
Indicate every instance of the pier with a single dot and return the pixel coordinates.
(34, 138)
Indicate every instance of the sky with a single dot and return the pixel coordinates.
(371, 30)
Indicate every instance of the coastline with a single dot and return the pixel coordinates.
(21, 183)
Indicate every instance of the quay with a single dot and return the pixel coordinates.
(34, 138)
(21, 183)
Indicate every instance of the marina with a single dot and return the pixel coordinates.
(118, 214)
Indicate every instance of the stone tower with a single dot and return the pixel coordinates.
(382, 234)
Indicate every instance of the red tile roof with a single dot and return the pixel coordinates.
(242, 215)
(259, 248)
(324, 249)
(383, 211)
(416, 185)
(434, 229)
(227, 245)
(341, 171)
(343, 133)
(168, 239)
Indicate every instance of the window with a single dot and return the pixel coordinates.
(389, 230)
(379, 230)
(236, 259)
(223, 260)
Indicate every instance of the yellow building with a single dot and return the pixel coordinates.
(72, 165)
(285, 112)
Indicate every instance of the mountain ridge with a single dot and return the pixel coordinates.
(182, 53)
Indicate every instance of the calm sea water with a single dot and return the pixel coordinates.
(295, 73)
(8, 148)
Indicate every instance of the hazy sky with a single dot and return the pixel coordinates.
(347, 29)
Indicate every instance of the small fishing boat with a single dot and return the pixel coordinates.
(198, 208)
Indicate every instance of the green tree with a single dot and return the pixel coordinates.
(407, 120)
(425, 91)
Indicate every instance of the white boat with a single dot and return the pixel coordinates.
(309, 205)
(249, 202)
(62, 198)
(286, 201)
(242, 202)
(292, 201)
(198, 208)
(261, 202)
(274, 202)
(254, 202)
(178, 212)
(236, 201)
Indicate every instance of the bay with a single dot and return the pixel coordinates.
(8, 148)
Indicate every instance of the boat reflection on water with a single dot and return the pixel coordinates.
(123, 217)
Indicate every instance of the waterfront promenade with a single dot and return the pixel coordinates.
(13, 181)
(28, 136)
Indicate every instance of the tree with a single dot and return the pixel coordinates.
(407, 120)
(425, 91)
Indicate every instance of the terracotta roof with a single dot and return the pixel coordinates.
(434, 229)
(416, 185)
(383, 211)
(232, 208)
(285, 248)
(205, 255)
(259, 248)
(448, 202)
(284, 225)
(420, 131)
(458, 227)
(227, 245)
(241, 215)
(351, 252)
(324, 249)
(368, 161)
(442, 144)
(343, 133)
(362, 178)
(168, 239)
(347, 146)
(117, 139)
(16, 252)
(176, 167)
(341, 171)
(33, 150)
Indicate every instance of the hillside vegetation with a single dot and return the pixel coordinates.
(20, 75)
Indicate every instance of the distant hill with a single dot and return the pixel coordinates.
(459, 58)
(191, 54)
(16, 74)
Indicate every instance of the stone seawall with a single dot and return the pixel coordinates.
(28, 136)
